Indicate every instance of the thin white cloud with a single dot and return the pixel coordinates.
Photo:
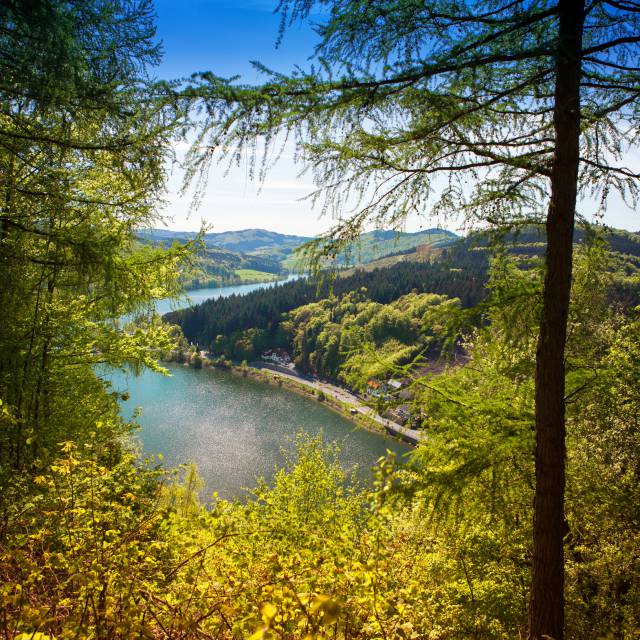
(287, 185)
(181, 146)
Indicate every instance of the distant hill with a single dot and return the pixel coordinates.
(379, 244)
(222, 263)
(250, 241)
(279, 248)
(380, 249)
(257, 241)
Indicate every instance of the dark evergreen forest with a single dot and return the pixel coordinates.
(460, 271)
(263, 308)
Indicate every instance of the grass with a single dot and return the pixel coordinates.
(251, 275)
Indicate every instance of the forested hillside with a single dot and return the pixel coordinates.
(352, 339)
(458, 271)
(262, 309)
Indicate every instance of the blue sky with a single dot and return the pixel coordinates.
(223, 36)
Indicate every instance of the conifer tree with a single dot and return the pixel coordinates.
(84, 138)
(508, 111)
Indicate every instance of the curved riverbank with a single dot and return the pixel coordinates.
(238, 428)
(337, 398)
(202, 294)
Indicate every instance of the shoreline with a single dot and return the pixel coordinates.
(239, 283)
(336, 398)
(359, 414)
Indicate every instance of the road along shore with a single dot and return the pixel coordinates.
(335, 397)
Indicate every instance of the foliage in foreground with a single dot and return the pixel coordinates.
(101, 553)
(105, 552)
(101, 545)
(84, 140)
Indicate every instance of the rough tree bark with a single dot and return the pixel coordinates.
(546, 615)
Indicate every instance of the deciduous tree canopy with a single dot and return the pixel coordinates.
(520, 107)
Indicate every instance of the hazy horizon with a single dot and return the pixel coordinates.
(224, 36)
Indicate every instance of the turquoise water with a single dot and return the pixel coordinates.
(235, 428)
(200, 295)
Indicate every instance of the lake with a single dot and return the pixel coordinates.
(196, 296)
(235, 428)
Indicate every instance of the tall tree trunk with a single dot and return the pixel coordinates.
(546, 615)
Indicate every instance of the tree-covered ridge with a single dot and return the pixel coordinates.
(242, 326)
(254, 241)
(259, 242)
(353, 339)
(263, 309)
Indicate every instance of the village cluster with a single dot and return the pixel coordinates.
(393, 397)
(390, 393)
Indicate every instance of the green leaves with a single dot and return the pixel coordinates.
(85, 136)
(354, 339)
